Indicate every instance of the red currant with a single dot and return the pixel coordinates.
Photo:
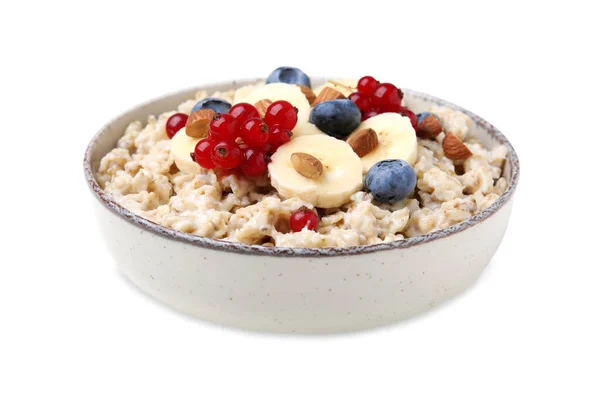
(411, 115)
(385, 94)
(392, 107)
(202, 153)
(223, 173)
(278, 136)
(371, 113)
(367, 85)
(282, 113)
(362, 101)
(303, 218)
(254, 132)
(175, 123)
(226, 155)
(242, 112)
(254, 162)
(223, 127)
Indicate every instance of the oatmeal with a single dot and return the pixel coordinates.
(343, 200)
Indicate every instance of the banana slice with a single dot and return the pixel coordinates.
(181, 147)
(305, 128)
(342, 171)
(241, 93)
(282, 91)
(344, 86)
(397, 139)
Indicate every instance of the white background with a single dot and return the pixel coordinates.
(74, 328)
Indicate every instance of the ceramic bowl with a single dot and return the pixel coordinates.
(290, 289)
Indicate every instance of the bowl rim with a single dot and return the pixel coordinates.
(259, 250)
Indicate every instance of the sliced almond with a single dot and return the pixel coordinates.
(307, 165)
(328, 94)
(198, 121)
(429, 127)
(363, 142)
(454, 148)
(261, 106)
(310, 95)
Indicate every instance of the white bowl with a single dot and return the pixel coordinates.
(297, 290)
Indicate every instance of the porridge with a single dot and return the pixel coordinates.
(341, 165)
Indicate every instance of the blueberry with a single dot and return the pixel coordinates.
(390, 180)
(337, 118)
(421, 117)
(218, 105)
(289, 75)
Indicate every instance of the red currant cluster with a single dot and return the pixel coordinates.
(374, 98)
(241, 139)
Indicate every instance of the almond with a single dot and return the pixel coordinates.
(310, 95)
(198, 121)
(262, 106)
(363, 142)
(429, 127)
(307, 165)
(454, 148)
(328, 94)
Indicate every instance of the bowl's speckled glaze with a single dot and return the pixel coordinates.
(201, 276)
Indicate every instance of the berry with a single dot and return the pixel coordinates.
(337, 118)
(289, 75)
(269, 148)
(413, 118)
(226, 154)
(223, 173)
(278, 136)
(390, 180)
(223, 127)
(242, 112)
(362, 101)
(303, 218)
(372, 112)
(367, 85)
(254, 162)
(254, 132)
(395, 108)
(215, 104)
(282, 113)
(175, 123)
(386, 94)
(202, 153)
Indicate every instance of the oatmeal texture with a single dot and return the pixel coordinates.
(140, 174)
